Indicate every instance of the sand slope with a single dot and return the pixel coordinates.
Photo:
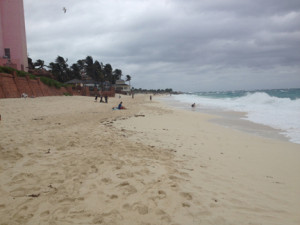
(69, 160)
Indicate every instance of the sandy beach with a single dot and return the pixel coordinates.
(69, 160)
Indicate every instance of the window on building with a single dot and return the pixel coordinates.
(7, 53)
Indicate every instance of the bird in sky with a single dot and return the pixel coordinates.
(64, 9)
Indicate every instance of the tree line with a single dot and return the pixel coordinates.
(83, 68)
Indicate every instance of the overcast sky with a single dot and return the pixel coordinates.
(187, 45)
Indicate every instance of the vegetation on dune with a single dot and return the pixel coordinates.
(9, 70)
(47, 81)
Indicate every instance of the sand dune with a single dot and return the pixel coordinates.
(70, 160)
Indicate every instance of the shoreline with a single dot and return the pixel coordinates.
(235, 120)
(69, 160)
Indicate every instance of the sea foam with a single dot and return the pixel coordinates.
(279, 113)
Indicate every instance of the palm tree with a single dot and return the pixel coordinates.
(30, 64)
(108, 72)
(39, 63)
(89, 67)
(117, 74)
(60, 69)
(128, 78)
(99, 76)
(75, 71)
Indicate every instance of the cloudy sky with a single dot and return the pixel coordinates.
(187, 45)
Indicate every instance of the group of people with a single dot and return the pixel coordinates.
(101, 98)
(120, 106)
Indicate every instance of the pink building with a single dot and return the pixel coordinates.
(13, 48)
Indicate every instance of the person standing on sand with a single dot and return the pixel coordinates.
(106, 97)
(150, 97)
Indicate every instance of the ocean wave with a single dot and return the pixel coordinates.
(280, 113)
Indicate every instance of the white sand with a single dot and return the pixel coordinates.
(69, 160)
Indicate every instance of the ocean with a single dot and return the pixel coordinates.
(277, 108)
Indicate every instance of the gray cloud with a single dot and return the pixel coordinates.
(186, 45)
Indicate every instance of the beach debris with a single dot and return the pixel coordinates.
(215, 200)
(48, 151)
(24, 95)
(34, 195)
(37, 119)
(51, 186)
(139, 115)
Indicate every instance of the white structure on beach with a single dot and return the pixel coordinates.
(122, 87)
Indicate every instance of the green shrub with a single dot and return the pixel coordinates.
(9, 70)
(5, 69)
(48, 81)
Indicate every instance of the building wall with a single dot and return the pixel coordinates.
(12, 33)
(12, 86)
(1, 34)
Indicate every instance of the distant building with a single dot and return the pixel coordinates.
(13, 48)
(122, 87)
(88, 83)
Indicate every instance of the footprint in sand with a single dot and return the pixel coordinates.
(175, 178)
(186, 195)
(23, 213)
(112, 217)
(141, 208)
(45, 213)
(127, 188)
(164, 216)
(127, 206)
(106, 180)
(162, 194)
(186, 204)
(113, 196)
(125, 175)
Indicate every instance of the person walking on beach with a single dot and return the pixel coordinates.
(150, 97)
(106, 97)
